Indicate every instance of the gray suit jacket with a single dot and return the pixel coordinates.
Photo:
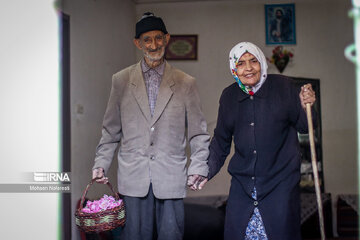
(152, 149)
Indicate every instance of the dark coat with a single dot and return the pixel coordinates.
(267, 155)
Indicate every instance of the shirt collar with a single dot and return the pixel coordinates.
(261, 93)
(159, 69)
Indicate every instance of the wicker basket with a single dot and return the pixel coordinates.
(101, 221)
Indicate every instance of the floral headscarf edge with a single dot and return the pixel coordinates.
(235, 54)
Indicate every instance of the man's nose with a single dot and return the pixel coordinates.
(154, 44)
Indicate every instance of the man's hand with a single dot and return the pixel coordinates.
(196, 182)
(99, 173)
(307, 95)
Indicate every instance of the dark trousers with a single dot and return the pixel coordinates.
(149, 218)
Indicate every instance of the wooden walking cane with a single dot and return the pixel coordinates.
(315, 170)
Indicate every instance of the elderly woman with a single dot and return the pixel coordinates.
(263, 114)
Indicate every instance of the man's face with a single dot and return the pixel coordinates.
(153, 44)
(248, 69)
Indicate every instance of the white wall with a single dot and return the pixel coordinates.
(101, 35)
(323, 30)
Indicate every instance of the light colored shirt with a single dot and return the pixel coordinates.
(152, 78)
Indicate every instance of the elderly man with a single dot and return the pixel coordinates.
(151, 106)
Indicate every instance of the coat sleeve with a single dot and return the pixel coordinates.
(221, 141)
(111, 131)
(197, 132)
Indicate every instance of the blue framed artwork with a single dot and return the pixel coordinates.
(280, 24)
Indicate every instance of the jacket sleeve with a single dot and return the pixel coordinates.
(198, 136)
(221, 141)
(111, 131)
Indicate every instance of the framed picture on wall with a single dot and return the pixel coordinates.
(182, 47)
(280, 24)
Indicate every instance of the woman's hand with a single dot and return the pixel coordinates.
(307, 95)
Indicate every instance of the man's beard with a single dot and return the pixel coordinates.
(157, 57)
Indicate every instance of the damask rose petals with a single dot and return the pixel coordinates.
(104, 203)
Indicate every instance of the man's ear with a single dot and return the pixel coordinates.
(167, 38)
(137, 43)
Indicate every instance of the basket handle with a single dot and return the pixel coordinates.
(87, 189)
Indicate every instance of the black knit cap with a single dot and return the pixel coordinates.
(149, 22)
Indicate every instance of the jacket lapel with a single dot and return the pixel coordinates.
(164, 94)
(139, 91)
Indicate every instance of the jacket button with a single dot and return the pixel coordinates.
(151, 144)
(253, 178)
(152, 129)
(252, 124)
(251, 97)
(254, 151)
(256, 203)
(152, 157)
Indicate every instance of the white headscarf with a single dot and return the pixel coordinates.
(236, 53)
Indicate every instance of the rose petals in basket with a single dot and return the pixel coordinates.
(104, 203)
(101, 215)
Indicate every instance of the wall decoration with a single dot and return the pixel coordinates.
(280, 24)
(281, 57)
(182, 47)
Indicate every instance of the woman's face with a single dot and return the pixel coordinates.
(248, 69)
